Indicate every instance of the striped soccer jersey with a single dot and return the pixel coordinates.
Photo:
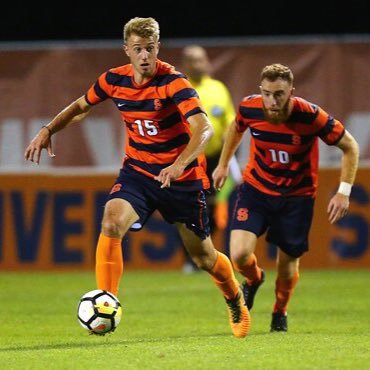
(155, 115)
(283, 157)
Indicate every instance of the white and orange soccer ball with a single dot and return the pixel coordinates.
(99, 312)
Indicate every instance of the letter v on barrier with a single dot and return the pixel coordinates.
(28, 231)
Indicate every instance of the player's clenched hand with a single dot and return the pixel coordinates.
(169, 174)
(41, 141)
(338, 207)
(219, 177)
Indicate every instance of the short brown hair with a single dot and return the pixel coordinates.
(143, 27)
(274, 71)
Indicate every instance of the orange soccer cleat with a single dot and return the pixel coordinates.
(240, 320)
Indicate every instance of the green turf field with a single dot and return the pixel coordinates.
(176, 321)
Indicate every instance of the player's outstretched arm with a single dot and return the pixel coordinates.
(231, 143)
(339, 203)
(73, 113)
(202, 132)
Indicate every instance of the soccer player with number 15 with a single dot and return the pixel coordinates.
(164, 166)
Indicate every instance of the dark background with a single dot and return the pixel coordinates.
(58, 21)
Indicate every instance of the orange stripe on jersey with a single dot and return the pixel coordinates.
(150, 156)
(192, 177)
(284, 157)
(155, 116)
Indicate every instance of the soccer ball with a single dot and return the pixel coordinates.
(99, 312)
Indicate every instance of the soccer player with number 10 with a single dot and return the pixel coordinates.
(280, 181)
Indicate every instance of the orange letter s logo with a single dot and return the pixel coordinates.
(242, 214)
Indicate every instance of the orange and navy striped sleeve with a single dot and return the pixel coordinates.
(155, 115)
(283, 157)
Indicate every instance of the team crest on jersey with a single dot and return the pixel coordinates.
(242, 214)
(296, 140)
(115, 188)
(157, 104)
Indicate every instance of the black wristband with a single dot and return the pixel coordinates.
(50, 132)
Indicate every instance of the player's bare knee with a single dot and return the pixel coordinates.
(112, 229)
(239, 256)
(288, 268)
(204, 262)
(205, 256)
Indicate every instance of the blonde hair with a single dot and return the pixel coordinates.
(274, 71)
(143, 27)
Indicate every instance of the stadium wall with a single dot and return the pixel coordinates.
(50, 214)
(52, 222)
(38, 81)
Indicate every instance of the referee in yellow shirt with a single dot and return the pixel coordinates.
(217, 102)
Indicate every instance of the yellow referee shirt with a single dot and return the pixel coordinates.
(216, 101)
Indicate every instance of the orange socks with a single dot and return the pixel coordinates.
(250, 270)
(109, 263)
(283, 291)
(223, 275)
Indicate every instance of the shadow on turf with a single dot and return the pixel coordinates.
(105, 342)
